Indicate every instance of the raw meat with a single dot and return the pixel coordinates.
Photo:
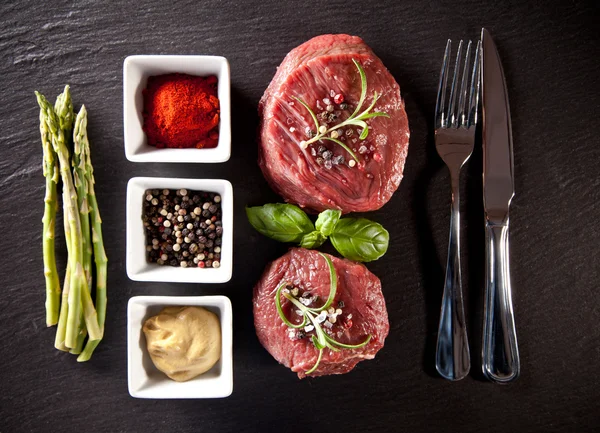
(363, 312)
(317, 72)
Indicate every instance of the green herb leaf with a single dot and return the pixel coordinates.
(360, 239)
(327, 220)
(363, 87)
(347, 346)
(312, 113)
(341, 143)
(281, 313)
(281, 222)
(314, 367)
(313, 240)
(373, 102)
(364, 134)
(333, 283)
(376, 114)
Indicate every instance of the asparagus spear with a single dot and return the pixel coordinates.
(80, 139)
(79, 293)
(59, 341)
(50, 171)
(81, 184)
(63, 107)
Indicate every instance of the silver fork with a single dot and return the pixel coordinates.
(454, 139)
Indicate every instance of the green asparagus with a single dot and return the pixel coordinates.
(78, 164)
(74, 311)
(50, 171)
(79, 293)
(81, 141)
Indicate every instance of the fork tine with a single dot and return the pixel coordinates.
(475, 84)
(451, 110)
(440, 120)
(462, 114)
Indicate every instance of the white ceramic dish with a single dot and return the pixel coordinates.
(139, 269)
(136, 70)
(146, 381)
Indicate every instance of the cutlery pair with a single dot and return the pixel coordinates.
(454, 140)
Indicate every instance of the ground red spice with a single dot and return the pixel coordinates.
(181, 111)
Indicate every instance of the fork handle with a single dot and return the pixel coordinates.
(500, 351)
(452, 354)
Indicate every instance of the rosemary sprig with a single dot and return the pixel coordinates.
(356, 119)
(320, 338)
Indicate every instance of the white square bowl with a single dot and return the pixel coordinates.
(138, 267)
(146, 381)
(136, 70)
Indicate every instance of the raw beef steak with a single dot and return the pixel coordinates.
(321, 72)
(358, 296)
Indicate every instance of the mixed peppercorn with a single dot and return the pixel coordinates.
(183, 228)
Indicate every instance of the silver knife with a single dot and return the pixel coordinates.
(500, 351)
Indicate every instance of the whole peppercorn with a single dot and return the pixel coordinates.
(182, 228)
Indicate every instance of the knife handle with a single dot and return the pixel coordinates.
(500, 351)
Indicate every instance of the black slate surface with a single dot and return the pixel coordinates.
(550, 55)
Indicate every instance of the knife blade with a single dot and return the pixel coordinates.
(500, 351)
(498, 184)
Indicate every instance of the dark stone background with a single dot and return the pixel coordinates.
(550, 53)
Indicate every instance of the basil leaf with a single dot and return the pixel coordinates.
(281, 222)
(313, 240)
(360, 239)
(327, 220)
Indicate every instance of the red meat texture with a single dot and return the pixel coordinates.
(360, 292)
(319, 69)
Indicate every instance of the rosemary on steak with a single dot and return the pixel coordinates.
(357, 118)
(312, 318)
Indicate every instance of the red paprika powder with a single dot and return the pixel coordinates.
(181, 111)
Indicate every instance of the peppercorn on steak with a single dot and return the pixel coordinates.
(334, 132)
(319, 315)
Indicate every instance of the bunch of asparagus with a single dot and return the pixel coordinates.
(74, 311)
